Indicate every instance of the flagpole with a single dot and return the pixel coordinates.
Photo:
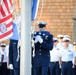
(25, 59)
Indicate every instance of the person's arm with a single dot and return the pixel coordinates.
(60, 62)
(60, 58)
(74, 57)
(49, 45)
(75, 61)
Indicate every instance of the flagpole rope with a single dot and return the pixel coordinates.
(35, 22)
(41, 11)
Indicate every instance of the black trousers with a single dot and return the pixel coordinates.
(3, 69)
(43, 70)
(66, 68)
(54, 68)
(13, 54)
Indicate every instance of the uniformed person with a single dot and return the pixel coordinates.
(3, 62)
(74, 69)
(67, 36)
(43, 44)
(54, 64)
(14, 60)
(60, 40)
(66, 56)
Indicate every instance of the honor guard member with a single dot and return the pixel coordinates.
(14, 60)
(3, 61)
(66, 56)
(43, 44)
(54, 64)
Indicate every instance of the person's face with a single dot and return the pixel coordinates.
(55, 43)
(60, 40)
(3, 48)
(66, 43)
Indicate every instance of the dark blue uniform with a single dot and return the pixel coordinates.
(41, 59)
(13, 52)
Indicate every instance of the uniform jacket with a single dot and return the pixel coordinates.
(42, 51)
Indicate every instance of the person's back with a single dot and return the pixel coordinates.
(14, 60)
(43, 44)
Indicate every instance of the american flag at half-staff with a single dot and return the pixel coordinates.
(6, 28)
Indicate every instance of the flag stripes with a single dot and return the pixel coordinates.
(6, 28)
(6, 8)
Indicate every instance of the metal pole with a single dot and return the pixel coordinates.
(25, 59)
(74, 25)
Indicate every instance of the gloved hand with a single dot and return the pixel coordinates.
(11, 66)
(36, 40)
(39, 39)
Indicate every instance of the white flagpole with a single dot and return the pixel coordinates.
(25, 59)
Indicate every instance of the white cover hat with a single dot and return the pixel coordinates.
(67, 36)
(66, 39)
(60, 35)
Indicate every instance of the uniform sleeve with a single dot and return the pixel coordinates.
(2, 52)
(49, 45)
(74, 53)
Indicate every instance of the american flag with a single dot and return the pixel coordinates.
(6, 28)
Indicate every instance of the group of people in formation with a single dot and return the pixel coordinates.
(52, 55)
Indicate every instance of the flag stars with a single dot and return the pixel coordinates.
(43, 34)
(39, 33)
